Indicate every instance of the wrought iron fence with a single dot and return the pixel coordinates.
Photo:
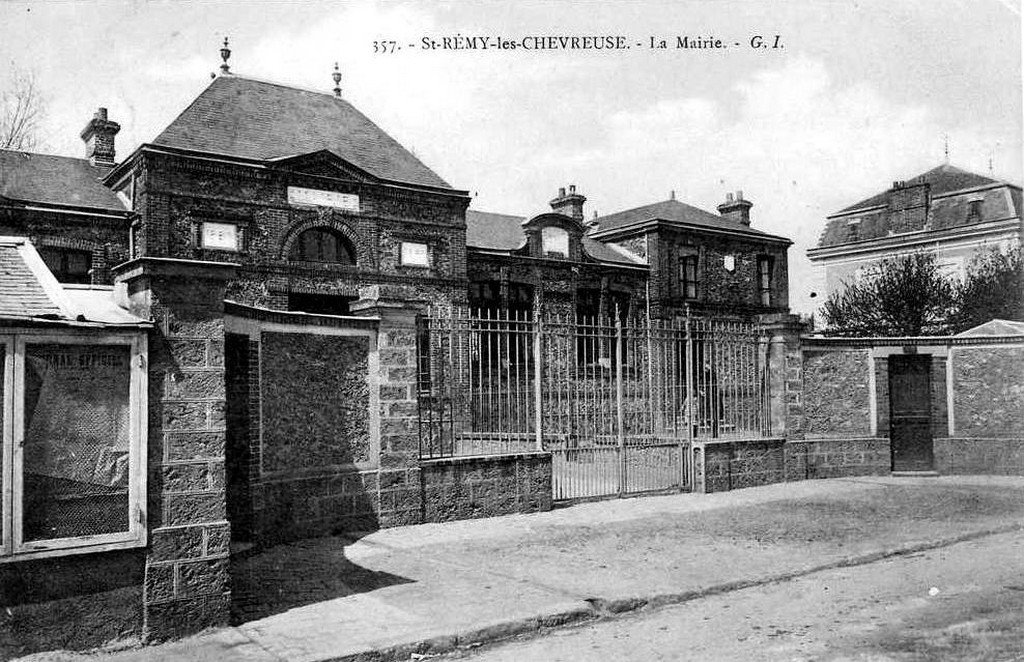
(617, 401)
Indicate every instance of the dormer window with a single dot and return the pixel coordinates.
(974, 209)
(555, 242)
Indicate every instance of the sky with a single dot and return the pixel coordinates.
(859, 94)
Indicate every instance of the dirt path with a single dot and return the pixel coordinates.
(964, 602)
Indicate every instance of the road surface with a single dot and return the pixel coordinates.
(962, 602)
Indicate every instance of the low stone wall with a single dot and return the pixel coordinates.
(485, 486)
(734, 464)
(728, 465)
(837, 458)
(310, 506)
(959, 455)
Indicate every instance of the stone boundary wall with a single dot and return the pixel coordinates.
(837, 458)
(485, 486)
(1001, 456)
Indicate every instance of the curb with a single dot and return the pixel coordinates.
(598, 607)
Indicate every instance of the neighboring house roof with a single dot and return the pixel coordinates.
(994, 328)
(673, 211)
(943, 179)
(949, 188)
(504, 232)
(29, 293)
(254, 119)
(57, 180)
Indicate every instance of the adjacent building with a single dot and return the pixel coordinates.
(950, 212)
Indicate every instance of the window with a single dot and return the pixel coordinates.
(555, 242)
(414, 254)
(689, 276)
(74, 443)
(322, 245)
(485, 295)
(974, 209)
(68, 265)
(219, 236)
(764, 279)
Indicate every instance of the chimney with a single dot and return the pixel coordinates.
(98, 135)
(570, 204)
(737, 209)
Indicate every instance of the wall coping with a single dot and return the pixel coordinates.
(744, 440)
(467, 459)
(168, 266)
(831, 342)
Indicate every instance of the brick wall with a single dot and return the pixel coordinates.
(104, 238)
(175, 195)
(718, 289)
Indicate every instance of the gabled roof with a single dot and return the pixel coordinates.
(673, 211)
(943, 179)
(504, 232)
(29, 293)
(254, 119)
(57, 180)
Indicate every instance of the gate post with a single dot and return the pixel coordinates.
(785, 374)
(186, 586)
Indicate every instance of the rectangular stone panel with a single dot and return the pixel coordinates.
(316, 403)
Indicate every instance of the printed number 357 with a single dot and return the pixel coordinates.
(384, 46)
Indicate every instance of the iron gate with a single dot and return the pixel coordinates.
(617, 402)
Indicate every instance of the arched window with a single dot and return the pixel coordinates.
(322, 245)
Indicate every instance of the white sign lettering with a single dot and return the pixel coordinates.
(311, 196)
(222, 236)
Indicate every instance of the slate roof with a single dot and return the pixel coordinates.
(30, 293)
(22, 292)
(943, 179)
(504, 232)
(674, 211)
(60, 180)
(260, 120)
(948, 209)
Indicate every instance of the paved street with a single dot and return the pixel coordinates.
(432, 588)
(957, 603)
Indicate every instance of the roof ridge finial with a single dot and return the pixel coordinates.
(225, 53)
(945, 138)
(337, 80)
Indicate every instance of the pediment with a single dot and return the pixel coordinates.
(324, 163)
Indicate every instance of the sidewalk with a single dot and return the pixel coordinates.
(430, 588)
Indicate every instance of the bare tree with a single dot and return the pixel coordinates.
(900, 296)
(21, 111)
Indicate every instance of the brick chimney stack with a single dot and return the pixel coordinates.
(98, 135)
(736, 209)
(570, 204)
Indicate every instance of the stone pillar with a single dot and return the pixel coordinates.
(785, 370)
(186, 585)
(393, 378)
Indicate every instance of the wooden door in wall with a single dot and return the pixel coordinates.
(910, 383)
